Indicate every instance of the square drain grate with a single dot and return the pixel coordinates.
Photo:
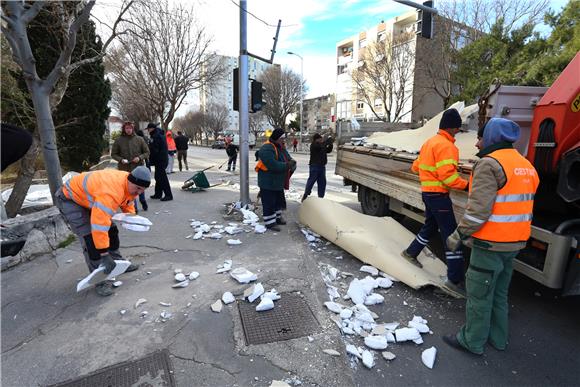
(290, 318)
(150, 371)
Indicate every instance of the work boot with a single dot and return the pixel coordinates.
(304, 198)
(104, 288)
(451, 340)
(411, 259)
(280, 220)
(145, 206)
(227, 170)
(155, 197)
(132, 267)
(166, 199)
(458, 288)
(273, 227)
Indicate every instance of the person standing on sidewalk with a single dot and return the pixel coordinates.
(232, 152)
(88, 202)
(272, 171)
(437, 168)
(159, 158)
(295, 145)
(496, 225)
(130, 151)
(181, 144)
(171, 151)
(319, 149)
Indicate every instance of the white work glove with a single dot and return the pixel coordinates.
(454, 241)
(125, 161)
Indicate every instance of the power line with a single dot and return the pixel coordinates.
(263, 21)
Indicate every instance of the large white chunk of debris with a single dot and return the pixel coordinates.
(407, 334)
(257, 291)
(233, 230)
(346, 313)
(204, 228)
(195, 223)
(198, 235)
(217, 306)
(265, 304)
(216, 235)
(374, 299)
(420, 324)
(193, 275)
(369, 269)
(428, 357)
(383, 282)
(333, 306)
(388, 355)
(260, 229)
(243, 275)
(234, 242)
(356, 291)
(98, 274)
(376, 342)
(228, 298)
(272, 295)
(133, 222)
(368, 359)
(249, 216)
(182, 284)
(226, 266)
(180, 277)
(353, 350)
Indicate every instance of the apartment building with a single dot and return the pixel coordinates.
(418, 103)
(319, 113)
(222, 91)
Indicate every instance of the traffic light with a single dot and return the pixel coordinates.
(236, 89)
(425, 21)
(257, 92)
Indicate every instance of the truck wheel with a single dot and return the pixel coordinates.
(372, 202)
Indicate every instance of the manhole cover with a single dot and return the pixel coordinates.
(290, 318)
(151, 371)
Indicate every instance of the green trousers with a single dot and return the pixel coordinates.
(487, 282)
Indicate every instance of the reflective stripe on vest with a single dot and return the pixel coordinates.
(511, 216)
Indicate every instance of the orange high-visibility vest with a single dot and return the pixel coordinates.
(437, 164)
(511, 216)
(103, 192)
(260, 165)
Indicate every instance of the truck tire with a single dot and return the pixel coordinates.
(372, 202)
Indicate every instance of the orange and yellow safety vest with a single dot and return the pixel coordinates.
(260, 166)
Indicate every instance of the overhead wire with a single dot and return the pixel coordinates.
(262, 20)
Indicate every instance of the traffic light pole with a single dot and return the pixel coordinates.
(243, 106)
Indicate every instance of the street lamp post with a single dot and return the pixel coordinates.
(301, 97)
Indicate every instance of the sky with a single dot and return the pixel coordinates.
(310, 28)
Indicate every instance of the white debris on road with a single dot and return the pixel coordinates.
(256, 291)
(228, 298)
(224, 267)
(180, 277)
(193, 275)
(140, 302)
(333, 306)
(388, 355)
(216, 306)
(234, 242)
(376, 342)
(272, 295)
(243, 275)
(368, 359)
(331, 352)
(182, 284)
(265, 304)
(260, 229)
(116, 284)
(428, 357)
(369, 269)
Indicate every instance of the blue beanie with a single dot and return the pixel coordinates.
(450, 119)
(499, 129)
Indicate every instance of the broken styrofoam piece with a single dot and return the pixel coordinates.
(116, 284)
(165, 315)
(390, 337)
(198, 235)
(332, 292)
(265, 304)
(98, 274)
(407, 334)
(226, 266)
(310, 238)
(272, 295)
(331, 352)
(356, 292)
(257, 291)
(140, 302)
(195, 223)
(216, 306)
(193, 275)
(177, 271)
(422, 328)
(347, 330)
(369, 269)
(233, 242)
(428, 357)
(388, 355)
(232, 230)
(260, 229)
(391, 326)
(353, 350)
(243, 275)
(333, 306)
(383, 282)
(418, 341)
(188, 236)
(374, 299)
(346, 313)
(133, 222)
(182, 284)
(205, 228)
(216, 235)
(164, 303)
(228, 298)
(368, 359)
(376, 342)
(180, 277)
(249, 216)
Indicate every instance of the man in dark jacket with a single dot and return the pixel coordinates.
(318, 159)
(159, 159)
(181, 146)
(232, 152)
(272, 170)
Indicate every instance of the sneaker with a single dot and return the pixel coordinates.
(132, 267)
(273, 227)
(280, 220)
(458, 288)
(104, 288)
(411, 259)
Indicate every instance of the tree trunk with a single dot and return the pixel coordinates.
(22, 184)
(45, 124)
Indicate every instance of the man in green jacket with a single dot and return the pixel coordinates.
(272, 168)
(130, 151)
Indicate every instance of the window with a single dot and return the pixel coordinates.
(378, 102)
(359, 105)
(341, 69)
(381, 36)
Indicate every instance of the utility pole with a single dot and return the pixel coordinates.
(243, 106)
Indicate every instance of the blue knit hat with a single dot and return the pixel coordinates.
(499, 129)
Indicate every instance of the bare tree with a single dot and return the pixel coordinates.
(46, 93)
(165, 56)
(282, 94)
(191, 125)
(256, 124)
(384, 76)
(216, 119)
(460, 23)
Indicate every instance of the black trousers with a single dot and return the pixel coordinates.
(162, 187)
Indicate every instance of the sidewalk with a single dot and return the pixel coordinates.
(50, 333)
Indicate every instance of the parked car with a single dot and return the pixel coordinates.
(218, 144)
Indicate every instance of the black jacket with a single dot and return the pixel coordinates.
(318, 152)
(232, 150)
(158, 149)
(181, 142)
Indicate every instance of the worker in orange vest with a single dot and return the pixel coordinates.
(88, 202)
(437, 168)
(496, 225)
